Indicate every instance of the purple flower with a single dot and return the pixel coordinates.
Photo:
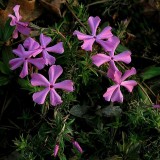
(101, 38)
(56, 148)
(21, 27)
(58, 48)
(39, 80)
(102, 58)
(156, 106)
(25, 57)
(114, 93)
(76, 145)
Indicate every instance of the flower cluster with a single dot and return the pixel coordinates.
(37, 54)
(109, 43)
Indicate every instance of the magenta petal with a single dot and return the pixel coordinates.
(54, 72)
(48, 59)
(58, 48)
(55, 99)
(15, 33)
(39, 97)
(23, 29)
(44, 40)
(105, 33)
(129, 84)
(38, 62)
(114, 41)
(117, 95)
(13, 21)
(117, 77)
(39, 80)
(76, 145)
(24, 71)
(109, 92)
(16, 62)
(99, 59)
(16, 11)
(113, 66)
(123, 57)
(31, 44)
(128, 73)
(56, 148)
(65, 85)
(107, 45)
(82, 36)
(19, 51)
(94, 23)
(88, 43)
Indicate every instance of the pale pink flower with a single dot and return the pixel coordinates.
(50, 86)
(102, 58)
(101, 38)
(21, 27)
(114, 93)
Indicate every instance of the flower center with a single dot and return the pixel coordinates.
(112, 58)
(51, 86)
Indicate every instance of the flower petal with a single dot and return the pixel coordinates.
(115, 42)
(54, 72)
(108, 94)
(13, 21)
(16, 11)
(39, 97)
(129, 84)
(39, 80)
(15, 34)
(31, 44)
(99, 59)
(48, 59)
(58, 48)
(107, 45)
(123, 57)
(15, 63)
(65, 85)
(94, 23)
(111, 70)
(105, 33)
(117, 95)
(23, 29)
(128, 73)
(24, 71)
(38, 62)
(81, 36)
(87, 45)
(44, 40)
(55, 99)
(117, 77)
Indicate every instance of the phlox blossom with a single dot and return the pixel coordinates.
(25, 57)
(50, 86)
(101, 38)
(102, 58)
(76, 145)
(114, 93)
(56, 149)
(44, 41)
(21, 27)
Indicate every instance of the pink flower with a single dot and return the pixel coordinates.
(114, 93)
(101, 38)
(102, 58)
(21, 27)
(58, 48)
(39, 80)
(76, 145)
(56, 148)
(25, 57)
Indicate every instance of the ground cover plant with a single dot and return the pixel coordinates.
(79, 80)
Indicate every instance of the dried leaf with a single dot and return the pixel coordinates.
(53, 5)
(29, 10)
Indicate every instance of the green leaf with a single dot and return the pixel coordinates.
(4, 69)
(143, 96)
(8, 30)
(150, 72)
(121, 48)
(3, 80)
